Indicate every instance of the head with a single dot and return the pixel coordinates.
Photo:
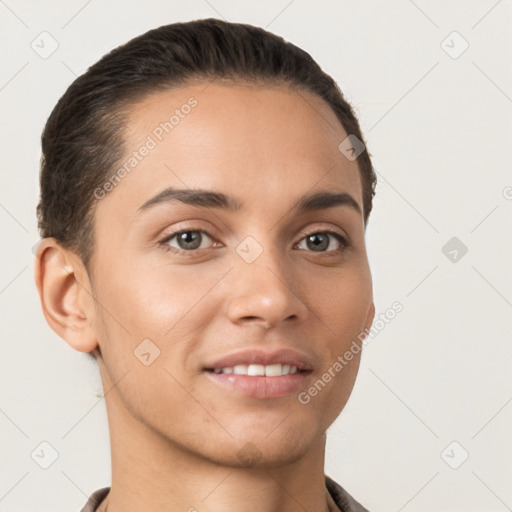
(255, 124)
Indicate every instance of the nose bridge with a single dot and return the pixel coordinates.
(262, 286)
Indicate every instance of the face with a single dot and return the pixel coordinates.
(262, 277)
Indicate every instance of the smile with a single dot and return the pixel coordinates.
(260, 386)
(270, 370)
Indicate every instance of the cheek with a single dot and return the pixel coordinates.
(147, 314)
(170, 307)
(343, 304)
(150, 301)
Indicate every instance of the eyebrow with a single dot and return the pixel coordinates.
(211, 199)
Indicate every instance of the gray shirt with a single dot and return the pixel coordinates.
(341, 498)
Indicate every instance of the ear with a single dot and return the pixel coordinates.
(369, 317)
(66, 295)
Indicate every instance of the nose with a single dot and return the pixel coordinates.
(264, 292)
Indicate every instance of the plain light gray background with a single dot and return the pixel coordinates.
(435, 384)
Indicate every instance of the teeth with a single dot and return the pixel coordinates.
(273, 370)
(270, 370)
(256, 370)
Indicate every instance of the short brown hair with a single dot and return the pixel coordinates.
(82, 141)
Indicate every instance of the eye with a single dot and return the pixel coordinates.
(318, 241)
(188, 240)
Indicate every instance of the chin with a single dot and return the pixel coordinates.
(258, 455)
(263, 449)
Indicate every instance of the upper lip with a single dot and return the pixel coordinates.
(258, 356)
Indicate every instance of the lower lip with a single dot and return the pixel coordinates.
(260, 387)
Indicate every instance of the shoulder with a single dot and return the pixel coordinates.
(344, 501)
(95, 499)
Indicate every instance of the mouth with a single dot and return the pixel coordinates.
(258, 381)
(258, 373)
(258, 362)
(259, 370)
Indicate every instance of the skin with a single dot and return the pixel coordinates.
(175, 436)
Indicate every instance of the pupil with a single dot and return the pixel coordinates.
(189, 241)
(322, 244)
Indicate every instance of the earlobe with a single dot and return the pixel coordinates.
(64, 291)
(369, 317)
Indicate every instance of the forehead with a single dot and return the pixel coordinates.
(249, 141)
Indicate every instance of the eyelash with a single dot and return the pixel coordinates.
(163, 243)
